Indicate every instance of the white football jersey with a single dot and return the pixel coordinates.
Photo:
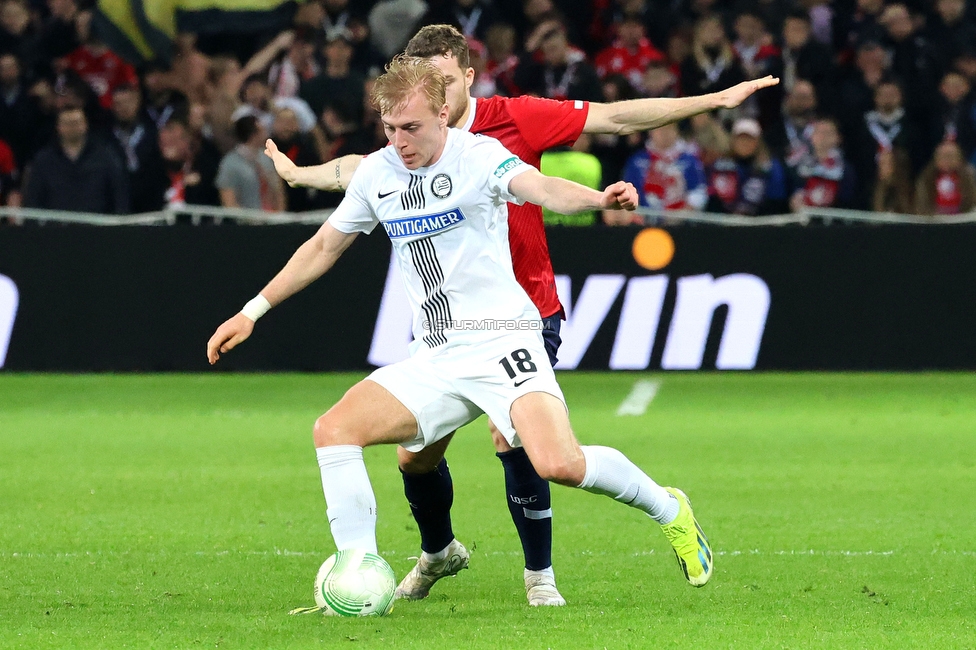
(449, 227)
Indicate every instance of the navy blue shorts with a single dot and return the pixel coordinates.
(550, 335)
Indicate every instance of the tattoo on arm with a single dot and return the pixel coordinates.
(338, 179)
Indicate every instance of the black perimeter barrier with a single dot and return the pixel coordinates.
(897, 297)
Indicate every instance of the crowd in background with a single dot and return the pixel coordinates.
(875, 109)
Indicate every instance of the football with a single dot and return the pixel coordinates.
(355, 583)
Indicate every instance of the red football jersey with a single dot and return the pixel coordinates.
(104, 72)
(527, 126)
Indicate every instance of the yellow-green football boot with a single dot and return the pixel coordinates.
(689, 542)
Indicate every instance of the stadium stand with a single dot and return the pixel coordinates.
(875, 111)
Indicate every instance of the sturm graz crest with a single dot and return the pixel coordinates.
(441, 186)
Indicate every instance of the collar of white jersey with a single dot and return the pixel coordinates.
(472, 107)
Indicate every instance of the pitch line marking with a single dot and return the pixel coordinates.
(640, 396)
(583, 552)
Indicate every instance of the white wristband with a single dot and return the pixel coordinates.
(256, 307)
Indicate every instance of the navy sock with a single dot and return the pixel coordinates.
(529, 503)
(430, 497)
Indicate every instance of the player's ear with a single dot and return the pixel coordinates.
(444, 114)
(468, 77)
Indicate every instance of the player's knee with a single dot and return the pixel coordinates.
(411, 463)
(565, 470)
(328, 431)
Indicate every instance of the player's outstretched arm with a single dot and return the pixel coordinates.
(567, 197)
(310, 262)
(333, 176)
(636, 115)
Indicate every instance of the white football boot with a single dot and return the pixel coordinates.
(425, 573)
(540, 589)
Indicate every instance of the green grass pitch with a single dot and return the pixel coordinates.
(186, 511)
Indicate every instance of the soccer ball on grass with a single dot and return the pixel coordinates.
(355, 583)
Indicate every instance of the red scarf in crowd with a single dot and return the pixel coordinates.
(948, 198)
(665, 179)
(822, 180)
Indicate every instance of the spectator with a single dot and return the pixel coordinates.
(754, 48)
(190, 68)
(224, 85)
(712, 65)
(76, 173)
(342, 134)
(668, 173)
(749, 181)
(340, 125)
(101, 68)
(758, 57)
(790, 138)
(885, 127)
(947, 185)
(338, 80)
(44, 105)
(630, 54)
(502, 59)
(136, 140)
(773, 14)
(822, 18)
(954, 114)
(297, 65)
(301, 150)
(471, 17)
(711, 140)
(859, 26)
(562, 71)
(9, 177)
(483, 85)
(804, 58)
(246, 177)
(366, 58)
(336, 15)
(659, 80)
(15, 36)
(393, 22)
(534, 13)
(965, 64)
(694, 11)
(951, 30)
(912, 56)
(857, 91)
(189, 167)
(57, 36)
(17, 111)
(576, 164)
(893, 187)
(256, 100)
(163, 102)
(824, 179)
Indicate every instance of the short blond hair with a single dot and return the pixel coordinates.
(404, 76)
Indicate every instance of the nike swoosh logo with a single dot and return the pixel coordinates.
(383, 196)
(519, 383)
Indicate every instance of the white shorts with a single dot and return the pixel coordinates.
(452, 387)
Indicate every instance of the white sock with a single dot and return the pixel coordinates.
(610, 473)
(348, 496)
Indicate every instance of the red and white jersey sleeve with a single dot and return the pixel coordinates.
(548, 123)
